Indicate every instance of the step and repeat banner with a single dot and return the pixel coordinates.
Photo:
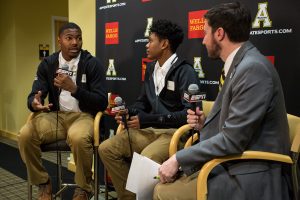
(122, 34)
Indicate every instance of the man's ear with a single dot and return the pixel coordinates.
(220, 34)
(58, 41)
(165, 44)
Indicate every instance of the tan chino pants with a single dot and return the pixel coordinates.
(75, 127)
(114, 152)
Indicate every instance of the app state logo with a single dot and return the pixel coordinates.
(149, 24)
(262, 17)
(111, 71)
(198, 67)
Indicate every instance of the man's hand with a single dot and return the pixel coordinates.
(63, 81)
(167, 171)
(196, 120)
(119, 115)
(134, 122)
(36, 103)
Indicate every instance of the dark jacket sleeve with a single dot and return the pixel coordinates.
(93, 98)
(40, 83)
(141, 104)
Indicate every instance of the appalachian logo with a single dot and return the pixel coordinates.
(262, 17)
(111, 1)
(111, 71)
(149, 24)
(198, 67)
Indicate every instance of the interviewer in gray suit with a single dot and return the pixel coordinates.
(248, 114)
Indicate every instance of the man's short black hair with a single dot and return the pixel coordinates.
(166, 29)
(68, 25)
(234, 18)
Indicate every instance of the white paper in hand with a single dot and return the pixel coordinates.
(140, 178)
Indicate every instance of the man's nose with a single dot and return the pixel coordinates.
(74, 41)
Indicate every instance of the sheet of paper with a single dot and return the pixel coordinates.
(134, 172)
(140, 178)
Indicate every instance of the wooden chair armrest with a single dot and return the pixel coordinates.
(189, 142)
(97, 129)
(296, 141)
(175, 138)
(206, 169)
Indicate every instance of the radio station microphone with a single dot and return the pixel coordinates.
(193, 96)
(120, 107)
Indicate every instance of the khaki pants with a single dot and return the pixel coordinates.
(115, 153)
(77, 128)
(185, 188)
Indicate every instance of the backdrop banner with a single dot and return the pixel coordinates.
(122, 34)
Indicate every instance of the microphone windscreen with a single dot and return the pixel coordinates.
(193, 89)
(65, 67)
(118, 101)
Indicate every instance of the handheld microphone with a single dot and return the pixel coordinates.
(193, 95)
(120, 106)
(64, 69)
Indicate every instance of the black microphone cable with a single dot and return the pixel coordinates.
(65, 67)
(56, 140)
(127, 129)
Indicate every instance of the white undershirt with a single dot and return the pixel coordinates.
(229, 60)
(66, 101)
(160, 73)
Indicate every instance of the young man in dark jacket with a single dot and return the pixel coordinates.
(158, 110)
(74, 82)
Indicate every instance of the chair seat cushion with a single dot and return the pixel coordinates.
(60, 145)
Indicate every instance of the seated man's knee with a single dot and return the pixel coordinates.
(104, 148)
(158, 192)
(115, 145)
(77, 138)
(25, 134)
(156, 156)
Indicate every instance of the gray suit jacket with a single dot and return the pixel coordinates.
(248, 114)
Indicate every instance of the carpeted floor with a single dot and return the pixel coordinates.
(10, 160)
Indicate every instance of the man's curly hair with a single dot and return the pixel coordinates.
(166, 29)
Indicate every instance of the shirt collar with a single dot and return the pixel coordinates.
(70, 63)
(168, 64)
(229, 60)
